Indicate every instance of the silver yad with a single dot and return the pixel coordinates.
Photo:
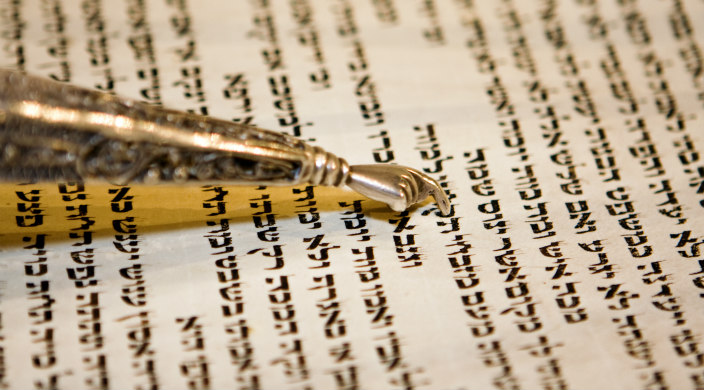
(50, 131)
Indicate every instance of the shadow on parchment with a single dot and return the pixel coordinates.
(157, 208)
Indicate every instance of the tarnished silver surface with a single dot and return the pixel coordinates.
(51, 131)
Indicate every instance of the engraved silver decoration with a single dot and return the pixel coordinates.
(50, 131)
